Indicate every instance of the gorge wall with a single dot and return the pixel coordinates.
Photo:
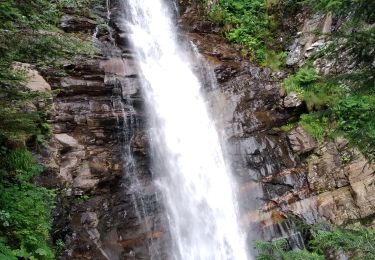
(98, 157)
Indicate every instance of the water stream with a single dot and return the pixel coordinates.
(188, 161)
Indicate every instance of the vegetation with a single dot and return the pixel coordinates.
(29, 34)
(278, 250)
(25, 209)
(250, 24)
(342, 102)
(355, 243)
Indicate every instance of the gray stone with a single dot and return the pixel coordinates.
(67, 140)
(292, 100)
(35, 81)
(300, 141)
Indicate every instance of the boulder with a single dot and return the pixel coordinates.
(301, 141)
(292, 100)
(35, 81)
(85, 180)
(67, 140)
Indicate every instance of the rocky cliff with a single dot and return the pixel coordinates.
(98, 157)
(283, 175)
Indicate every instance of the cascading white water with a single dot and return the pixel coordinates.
(192, 175)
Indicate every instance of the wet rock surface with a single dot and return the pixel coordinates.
(99, 156)
(279, 174)
(107, 206)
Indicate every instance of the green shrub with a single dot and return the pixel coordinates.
(28, 14)
(301, 80)
(20, 164)
(19, 116)
(5, 252)
(25, 210)
(278, 250)
(359, 9)
(29, 222)
(355, 120)
(355, 243)
(249, 24)
(315, 124)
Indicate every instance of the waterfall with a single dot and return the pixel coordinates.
(188, 159)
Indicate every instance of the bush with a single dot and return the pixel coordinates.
(248, 23)
(355, 243)
(315, 124)
(25, 210)
(20, 165)
(279, 250)
(20, 119)
(29, 220)
(355, 120)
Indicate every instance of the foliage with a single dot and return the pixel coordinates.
(338, 109)
(28, 34)
(316, 93)
(29, 219)
(248, 23)
(355, 243)
(25, 210)
(81, 6)
(302, 79)
(27, 14)
(20, 118)
(36, 14)
(315, 124)
(19, 164)
(279, 250)
(360, 9)
(286, 128)
(355, 120)
(5, 251)
(41, 49)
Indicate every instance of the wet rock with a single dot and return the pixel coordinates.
(89, 219)
(346, 189)
(140, 144)
(77, 86)
(74, 23)
(119, 67)
(300, 141)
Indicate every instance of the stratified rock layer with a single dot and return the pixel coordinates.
(99, 157)
(280, 174)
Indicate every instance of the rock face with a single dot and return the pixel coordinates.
(300, 141)
(307, 41)
(280, 174)
(99, 157)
